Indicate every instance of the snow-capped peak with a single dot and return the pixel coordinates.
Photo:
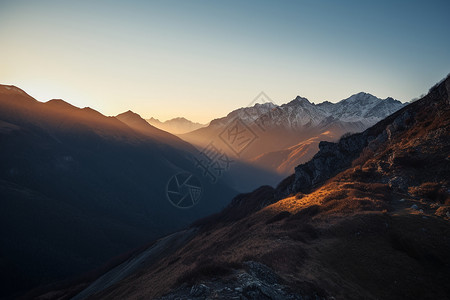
(362, 108)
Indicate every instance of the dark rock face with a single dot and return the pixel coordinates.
(254, 281)
(331, 159)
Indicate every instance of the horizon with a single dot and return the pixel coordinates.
(207, 122)
(207, 59)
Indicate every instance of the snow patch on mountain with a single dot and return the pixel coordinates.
(359, 110)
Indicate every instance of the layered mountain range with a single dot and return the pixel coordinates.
(78, 188)
(280, 131)
(178, 125)
(363, 215)
(366, 218)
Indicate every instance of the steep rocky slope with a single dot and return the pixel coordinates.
(284, 161)
(367, 218)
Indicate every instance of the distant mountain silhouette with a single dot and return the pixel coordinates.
(78, 188)
(176, 125)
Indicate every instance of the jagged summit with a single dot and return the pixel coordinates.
(361, 98)
(265, 104)
(129, 113)
(298, 101)
(362, 95)
(135, 121)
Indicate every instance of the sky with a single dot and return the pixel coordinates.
(203, 59)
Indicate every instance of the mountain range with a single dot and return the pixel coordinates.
(178, 125)
(78, 188)
(281, 134)
(88, 205)
(366, 218)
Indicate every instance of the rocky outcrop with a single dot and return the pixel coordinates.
(333, 158)
(253, 281)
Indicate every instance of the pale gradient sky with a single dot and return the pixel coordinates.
(202, 59)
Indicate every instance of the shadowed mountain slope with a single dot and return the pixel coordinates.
(78, 188)
(284, 161)
(367, 218)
